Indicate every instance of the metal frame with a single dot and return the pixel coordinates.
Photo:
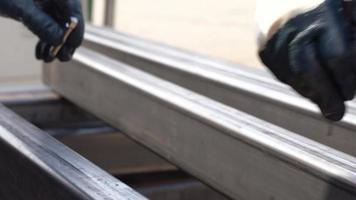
(252, 160)
(249, 90)
(132, 163)
(81, 131)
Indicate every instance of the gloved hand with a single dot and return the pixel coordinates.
(61, 11)
(313, 53)
(47, 19)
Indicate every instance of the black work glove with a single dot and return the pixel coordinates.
(61, 11)
(313, 53)
(47, 24)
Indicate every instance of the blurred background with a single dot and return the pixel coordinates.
(219, 28)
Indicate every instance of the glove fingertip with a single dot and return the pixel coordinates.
(48, 60)
(66, 54)
(39, 50)
(336, 113)
(43, 52)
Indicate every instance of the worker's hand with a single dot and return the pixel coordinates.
(39, 22)
(47, 19)
(313, 53)
(61, 11)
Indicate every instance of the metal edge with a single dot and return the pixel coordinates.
(48, 169)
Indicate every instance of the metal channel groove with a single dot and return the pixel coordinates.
(253, 159)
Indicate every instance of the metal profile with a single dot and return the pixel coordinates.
(36, 166)
(249, 90)
(240, 155)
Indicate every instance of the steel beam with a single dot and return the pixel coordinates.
(240, 155)
(249, 90)
(36, 166)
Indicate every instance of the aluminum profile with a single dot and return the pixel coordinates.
(234, 152)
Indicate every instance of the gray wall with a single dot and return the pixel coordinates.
(17, 61)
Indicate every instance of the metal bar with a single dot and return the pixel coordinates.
(251, 91)
(110, 13)
(82, 132)
(36, 166)
(240, 155)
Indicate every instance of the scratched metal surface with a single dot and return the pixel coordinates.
(252, 91)
(36, 166)
(240, 155)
